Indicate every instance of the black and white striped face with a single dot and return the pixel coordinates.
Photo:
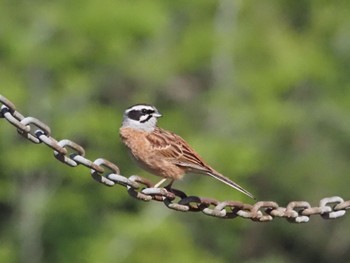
(141, 117)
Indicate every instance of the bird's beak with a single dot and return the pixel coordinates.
(157, 114)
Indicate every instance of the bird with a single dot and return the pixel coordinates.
(162, 152)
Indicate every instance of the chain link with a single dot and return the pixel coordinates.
(108, 173)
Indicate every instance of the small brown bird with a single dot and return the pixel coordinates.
(162, 152)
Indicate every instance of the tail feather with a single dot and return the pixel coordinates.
(227, 181)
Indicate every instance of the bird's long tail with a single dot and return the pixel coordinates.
(227, 181)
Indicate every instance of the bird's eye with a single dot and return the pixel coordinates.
(144, 111)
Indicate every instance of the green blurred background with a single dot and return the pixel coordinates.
(260, 88)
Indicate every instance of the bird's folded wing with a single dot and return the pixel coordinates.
(169, 145)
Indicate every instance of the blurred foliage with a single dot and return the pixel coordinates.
(261, 89)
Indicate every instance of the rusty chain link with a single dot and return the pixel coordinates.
(107, 173)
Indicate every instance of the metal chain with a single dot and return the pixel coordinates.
(107, 173)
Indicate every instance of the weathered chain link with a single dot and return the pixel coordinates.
(107, 173)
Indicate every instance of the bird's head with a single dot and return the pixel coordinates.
(141, 117)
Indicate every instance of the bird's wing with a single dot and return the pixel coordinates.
(172, 146)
